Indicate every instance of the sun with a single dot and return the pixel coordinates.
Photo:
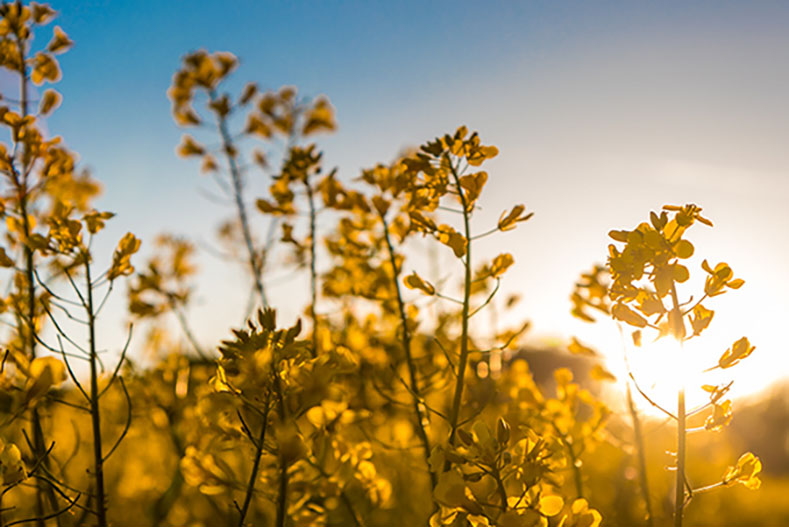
(660, 367)
(663, 367)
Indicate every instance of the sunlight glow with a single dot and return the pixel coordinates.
(663, 366)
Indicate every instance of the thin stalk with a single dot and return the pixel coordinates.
(188, 331)
(313, 272)
(282, 497)
(35, 420)
(708, 488)
(641, 454)
(577, 476)
(357, 521)
(461, 371)
(253, 476)
(35, 417)
(235, 176)
(98, 458)
(502, 491)
(679, 494)
(406, 340)
(349, 506)
(161, 507)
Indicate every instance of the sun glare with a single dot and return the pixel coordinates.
(662, 367)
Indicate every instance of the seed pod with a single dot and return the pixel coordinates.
(503, 431)
(455, 458)
(465, 437)
(506, 459)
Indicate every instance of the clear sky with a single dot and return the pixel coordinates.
(602, 111)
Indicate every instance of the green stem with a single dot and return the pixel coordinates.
(349, 506)
(641, 453)
(461, 370)
(35, 418)
(502, 491)
(21, 182)
(190, 336)
(357, 521)
(709, 487)
(253, 476)
(313, 272)
(98, 459)
(282, 497)
(161, 507)
(679, 494)
(577, 475)
(406, 338)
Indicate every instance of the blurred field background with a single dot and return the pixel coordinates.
(599, 113)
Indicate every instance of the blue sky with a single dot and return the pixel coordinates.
(602, 111)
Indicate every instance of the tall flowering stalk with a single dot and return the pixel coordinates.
(646, 273)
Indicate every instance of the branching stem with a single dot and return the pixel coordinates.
(98, 457)
(406, 339)
(235, 176)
